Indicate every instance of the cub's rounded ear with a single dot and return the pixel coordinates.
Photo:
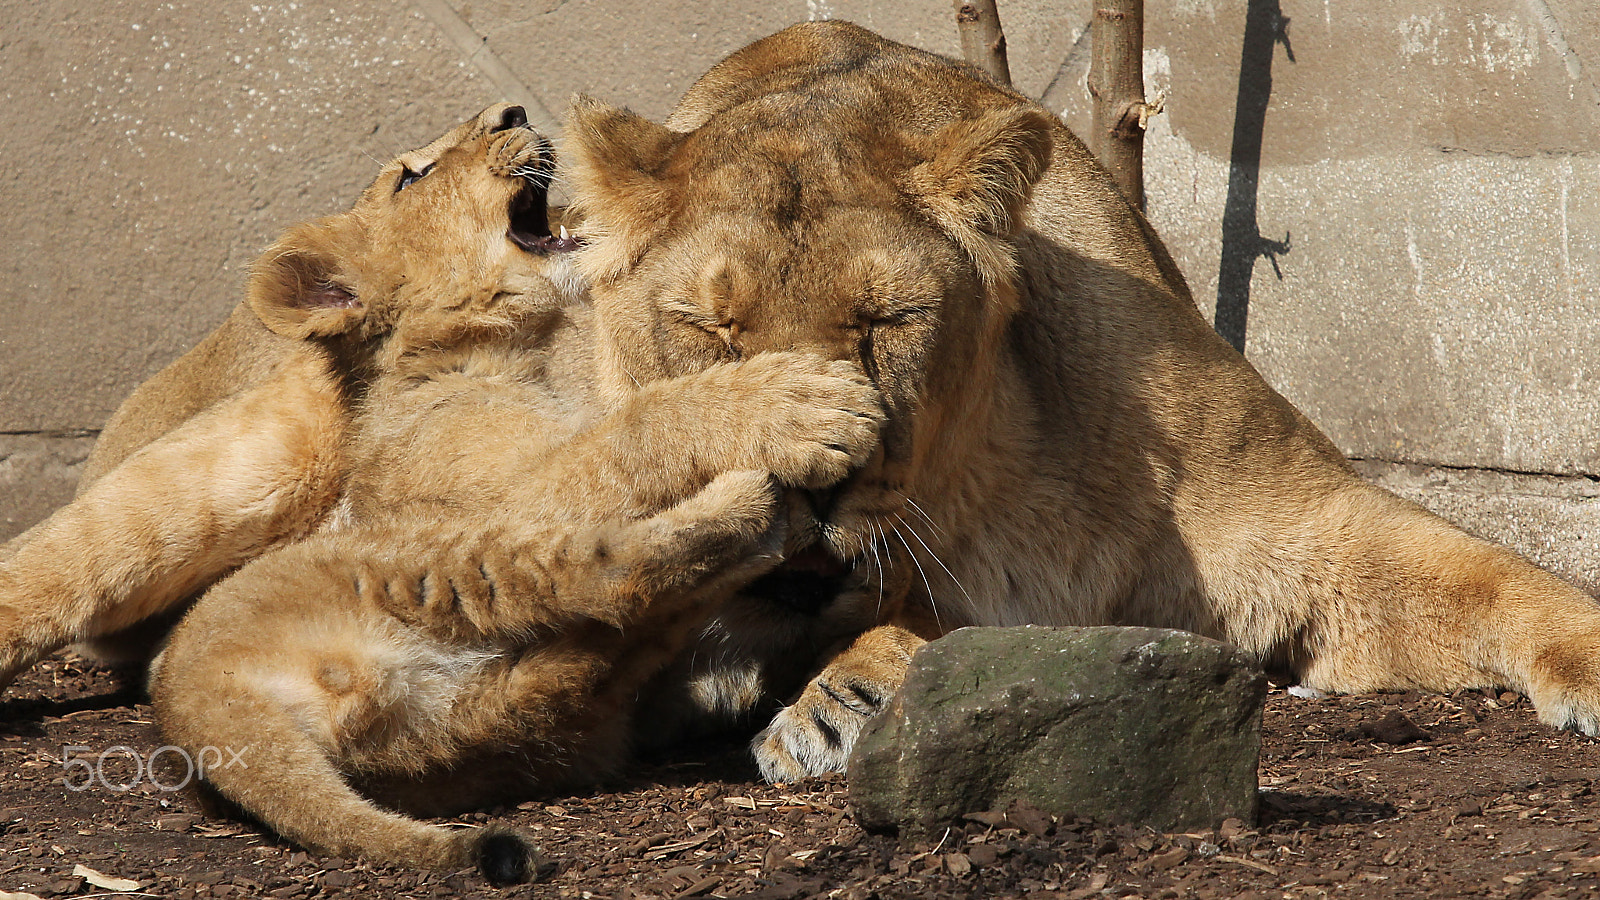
(614, 162)
(979, 173)
(294, 287)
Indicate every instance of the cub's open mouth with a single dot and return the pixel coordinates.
(530, 220)
(806, 582)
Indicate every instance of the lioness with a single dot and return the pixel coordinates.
(1067, 441)
(506, 566)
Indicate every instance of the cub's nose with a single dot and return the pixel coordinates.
(512, 117)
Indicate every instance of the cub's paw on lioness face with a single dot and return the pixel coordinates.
(809, 420)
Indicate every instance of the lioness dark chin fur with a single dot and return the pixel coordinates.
(1068, 442)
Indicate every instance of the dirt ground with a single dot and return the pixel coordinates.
(1381, 796)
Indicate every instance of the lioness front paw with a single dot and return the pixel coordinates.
(808, 421)
(817, 733)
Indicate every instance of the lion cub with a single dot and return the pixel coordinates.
(503, 563)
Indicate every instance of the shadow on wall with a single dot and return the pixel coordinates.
(1242, 244)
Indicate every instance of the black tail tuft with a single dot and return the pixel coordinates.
(507, 856)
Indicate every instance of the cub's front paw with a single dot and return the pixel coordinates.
(810, 421)
(729, 530)
(18, 651)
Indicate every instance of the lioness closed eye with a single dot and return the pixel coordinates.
(1067, 441)
(504, 563)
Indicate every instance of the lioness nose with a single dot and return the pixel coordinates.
(512, 117)
(822, 501)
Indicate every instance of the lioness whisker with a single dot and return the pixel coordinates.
(932, 602)
(957, 582)
(877, 561)
(884, 539)
(938, 532)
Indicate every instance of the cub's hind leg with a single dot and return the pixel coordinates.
(335, 689)
(368, 684)
(237, 479)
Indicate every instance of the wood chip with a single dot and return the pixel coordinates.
(678, 846)
(703, 886)
(104, 881)
(1166, 860)
(752, 803)
(1262, 867)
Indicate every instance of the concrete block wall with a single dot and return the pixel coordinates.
(1394, 206)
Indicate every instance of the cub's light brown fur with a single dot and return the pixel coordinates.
(509, 565)
(493, 566)
(1068, 442)
(233, 449)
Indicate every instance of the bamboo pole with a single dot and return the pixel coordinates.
(983, 42)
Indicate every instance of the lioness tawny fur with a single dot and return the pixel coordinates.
(1067, 440)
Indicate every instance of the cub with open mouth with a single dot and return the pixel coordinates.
(509, 564)
(456, 571)
(239, 446)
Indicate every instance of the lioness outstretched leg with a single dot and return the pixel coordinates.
(1440, 609)
(365, 678)
(238, 478)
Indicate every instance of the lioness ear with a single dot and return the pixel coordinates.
(980, 172)
(614, 159)
(292, 286)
